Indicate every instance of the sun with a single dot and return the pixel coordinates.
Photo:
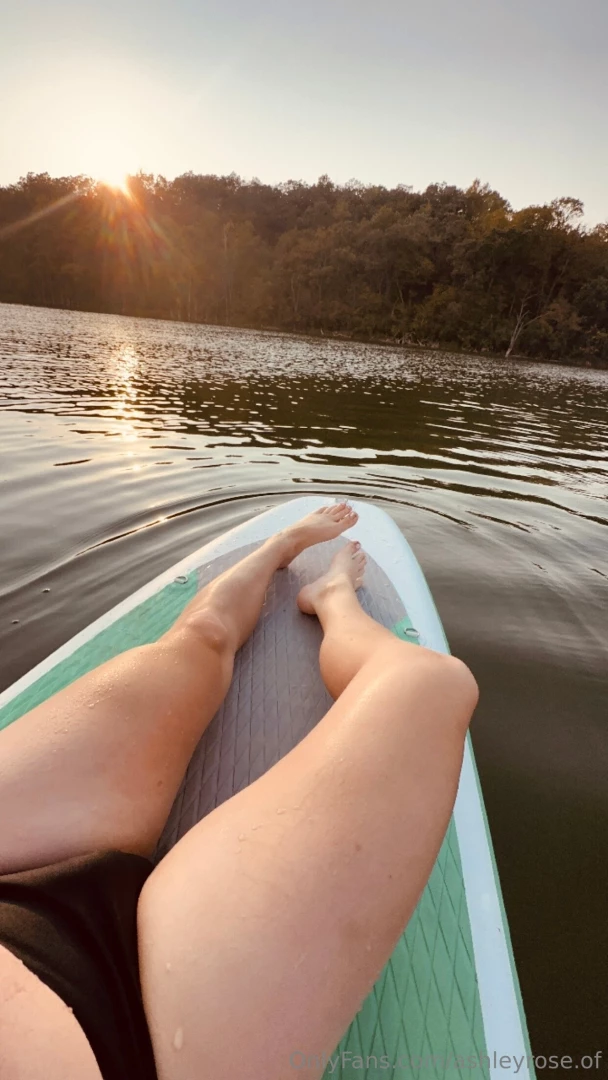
(116, 179)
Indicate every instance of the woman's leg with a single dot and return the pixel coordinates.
(98, 765)
(264, 928)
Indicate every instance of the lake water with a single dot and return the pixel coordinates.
(126, 443)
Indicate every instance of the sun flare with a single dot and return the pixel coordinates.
(117, 180)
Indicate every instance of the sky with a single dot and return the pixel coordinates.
(513, 92)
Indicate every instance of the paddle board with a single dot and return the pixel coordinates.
(448, 1001)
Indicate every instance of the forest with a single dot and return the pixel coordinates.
(444, 267)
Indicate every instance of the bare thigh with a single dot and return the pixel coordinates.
(97, 766)
(40, 1039)
(265, 927)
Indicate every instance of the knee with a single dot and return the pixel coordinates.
(208, 628)
(447, 684)
(463, 682)
(457, 682)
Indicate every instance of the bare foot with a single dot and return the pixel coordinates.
(347, 570)
(323, 524)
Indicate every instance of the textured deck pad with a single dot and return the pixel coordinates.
(276, 696)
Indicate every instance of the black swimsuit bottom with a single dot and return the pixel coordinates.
(73, 924)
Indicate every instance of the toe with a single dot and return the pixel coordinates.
(345, 512)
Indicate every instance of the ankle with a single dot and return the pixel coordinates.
(333, 589)
(284, 546)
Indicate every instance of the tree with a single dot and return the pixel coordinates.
(445, 265)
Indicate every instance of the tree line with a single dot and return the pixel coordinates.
(445, 266)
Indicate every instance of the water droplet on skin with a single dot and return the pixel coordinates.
(168, 966)
(281, 810)
(254, 827)
(242, 836)
(178, 1039)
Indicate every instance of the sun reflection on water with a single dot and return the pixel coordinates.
(126, 369)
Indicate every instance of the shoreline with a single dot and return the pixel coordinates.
(331, 335)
